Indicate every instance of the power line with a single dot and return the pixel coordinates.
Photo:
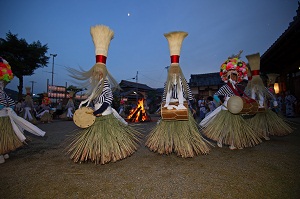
(151, 78)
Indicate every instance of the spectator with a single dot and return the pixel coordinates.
(202, 107)
(290, 101)
(211, 105)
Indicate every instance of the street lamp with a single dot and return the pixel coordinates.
(32, 83)
(53, 55)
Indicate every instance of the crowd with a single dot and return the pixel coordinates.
(109, 138)
(288, 105)
(45, 111)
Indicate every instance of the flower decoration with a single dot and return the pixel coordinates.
(234, 65)
(5, 71)
(46, 100)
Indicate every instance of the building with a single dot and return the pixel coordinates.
(132, 91)
(283, 58)
(205, 85)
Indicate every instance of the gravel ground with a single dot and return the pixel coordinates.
(42, 170)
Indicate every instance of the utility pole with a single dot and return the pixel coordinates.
(32, 83)
(53, 55)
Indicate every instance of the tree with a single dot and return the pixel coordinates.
(74, 89)
(23, 58)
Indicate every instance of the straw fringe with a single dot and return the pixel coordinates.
(229, 129)
(101, 35)
(270, 123)
(33, 121)
(272, 78)
(175, 40)
(181, 137)
(107, 140)
(9, 141)
(46, 117)
(254, 61)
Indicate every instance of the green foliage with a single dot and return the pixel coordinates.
(74, 89)
(23, 58)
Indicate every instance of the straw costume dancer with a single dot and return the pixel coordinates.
(109, 138)
(28, 109)
(175, 135)
(221, 125)
(272, 102)
(11, 125)
(70, 108)
(290, 101)
(44, 114)
(268, 122)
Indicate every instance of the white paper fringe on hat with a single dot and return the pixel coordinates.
(175, 40)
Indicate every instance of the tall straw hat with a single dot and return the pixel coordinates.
(71, 94)
(272, 78)
(101, 35)
(271, 81)
(28, 89)
(254, 62)
(257, 85)
(175, 40)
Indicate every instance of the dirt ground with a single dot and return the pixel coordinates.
(42, 170)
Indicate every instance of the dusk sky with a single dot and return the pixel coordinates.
(216, 28)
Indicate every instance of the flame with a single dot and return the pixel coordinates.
(139, 113)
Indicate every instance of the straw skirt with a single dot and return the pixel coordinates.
(180, 137)
(9, 141)
(107, 140)
(269, 123)
(230, 129)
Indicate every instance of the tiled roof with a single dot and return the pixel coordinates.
(160, 91)
(208, 79)
(283, 55)
(289, 29)
(130, 92)
(129, 84)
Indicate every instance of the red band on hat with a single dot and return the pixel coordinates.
(255, 72)
(101, 59)
(175, 59)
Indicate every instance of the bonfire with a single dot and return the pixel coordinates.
(138, 114)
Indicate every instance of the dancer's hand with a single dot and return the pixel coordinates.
(181, 107)
(91, 112)
(83, 102)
